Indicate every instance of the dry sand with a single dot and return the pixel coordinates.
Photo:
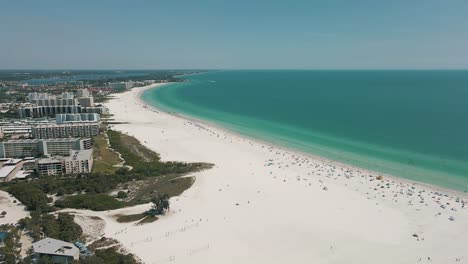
(14, 211)
(265, 204)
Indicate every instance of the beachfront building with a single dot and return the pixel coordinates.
(62, 146)
(82, 117)
(19, 148)
(36, 111)
(60, 252)
(86, 101)
(102, 110)
(85, 98)
(42, 147)
(79, 161)
(65, 130)
(15, 130)
(36, 96)
(43, 105)
(46, 96)
(120, 86)
(83, 93)
(49, 166)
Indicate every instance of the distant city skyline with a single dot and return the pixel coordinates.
(242, 34)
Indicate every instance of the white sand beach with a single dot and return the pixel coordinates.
(12, 207)
(266, 204)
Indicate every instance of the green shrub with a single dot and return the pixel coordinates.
(95, 202)
(122, 195)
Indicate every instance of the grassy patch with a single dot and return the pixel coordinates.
(101, 167)
(141, 218)
(131, 149)
(104, 158)
(145, 161)
(130, 218)
(172, 185)
(95, 202)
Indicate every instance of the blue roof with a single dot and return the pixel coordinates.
(3, 235)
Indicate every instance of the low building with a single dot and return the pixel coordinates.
(29, 165)
(49, 166)
(79, 161)
(59, 251)
(5, 172)
(22, 174)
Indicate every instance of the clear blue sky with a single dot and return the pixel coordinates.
(234, 34)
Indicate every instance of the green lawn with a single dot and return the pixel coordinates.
(104, 158)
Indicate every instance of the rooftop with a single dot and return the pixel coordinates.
(68, 124)
(80, 154)
(22, 174)
(37, 140)
(49, 160)
(5, 171)
(11, 162)
(52, 246)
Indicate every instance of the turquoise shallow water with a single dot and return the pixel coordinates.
(412, 124)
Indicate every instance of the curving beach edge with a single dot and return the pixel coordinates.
(266, 204)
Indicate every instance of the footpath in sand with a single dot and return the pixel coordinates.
(265, 204)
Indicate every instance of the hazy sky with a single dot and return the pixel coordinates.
(234, 34)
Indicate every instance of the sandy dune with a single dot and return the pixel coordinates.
(14, 211)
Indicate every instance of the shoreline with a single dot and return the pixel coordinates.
(263, 203)
(434, 187)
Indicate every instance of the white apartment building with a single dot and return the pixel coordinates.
(79, 161)
(42, 147)
(87, 129)
(121, 85)
(67, 118)
(48, 166)
(15, 130)
(83, 93)
(86, 101)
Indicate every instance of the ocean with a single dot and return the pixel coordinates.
(410, 124)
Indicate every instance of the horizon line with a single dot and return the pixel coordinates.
(234, 69)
